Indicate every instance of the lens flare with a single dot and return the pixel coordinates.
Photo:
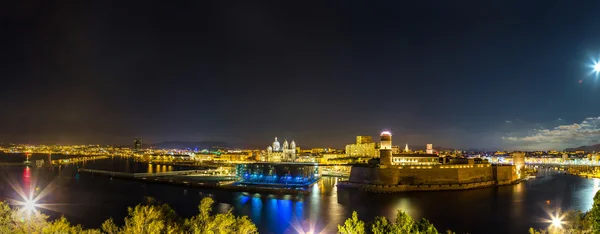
(556, 220)
(595, 66)
(29, 197)
(29, 205)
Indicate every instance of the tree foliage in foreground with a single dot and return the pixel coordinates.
(353, 225)
(149, 218)
(156, 218)
(572, 222)
(404, 224)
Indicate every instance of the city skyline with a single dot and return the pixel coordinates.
(463, 75)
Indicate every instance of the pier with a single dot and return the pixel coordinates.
(187, 178)
(76, 160)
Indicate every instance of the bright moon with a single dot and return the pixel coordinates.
(597, 67)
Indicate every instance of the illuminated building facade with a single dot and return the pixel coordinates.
(410, 171)
(385, 152)
(388, 158)
(395, 149)
(283, 174)
(364, 147)
(278, 153)
(519, 161)
(363, 139)
(415, 159)
(429, 149)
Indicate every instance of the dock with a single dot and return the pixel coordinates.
(182, 178)
(76, 160)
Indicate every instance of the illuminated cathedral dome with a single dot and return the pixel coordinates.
(277, 152)
(276, 145)
(285, 145)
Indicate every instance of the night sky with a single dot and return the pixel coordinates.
(467, 74)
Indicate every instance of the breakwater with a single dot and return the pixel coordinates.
(76, 160)
(175, 178)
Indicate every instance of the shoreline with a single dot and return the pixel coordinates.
(373, 188)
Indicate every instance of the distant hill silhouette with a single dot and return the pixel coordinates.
(587, 148)
(187, 144)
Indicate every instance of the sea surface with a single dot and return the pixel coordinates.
(89, 200)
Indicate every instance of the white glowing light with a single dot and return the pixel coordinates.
(596, 67)
(29, 205)
(556, 221)
(386, 133)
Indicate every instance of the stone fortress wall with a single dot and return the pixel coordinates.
(431, 175)
(419, 172)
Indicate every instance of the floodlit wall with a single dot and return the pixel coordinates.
(430, 175)
(505, 174)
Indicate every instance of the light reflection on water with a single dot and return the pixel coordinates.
(586, 194)
(515, 207)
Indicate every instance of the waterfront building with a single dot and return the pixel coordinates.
(235, 157)
(429, 149)
(363, 139)
(137, 145)
(278, 153)
(308, 157)
(332, 156)
(519, 161)
(364, 147)
(415, 159)
(278, 174)
(396, 149)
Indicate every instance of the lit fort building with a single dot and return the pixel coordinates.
(364, 147)
(417, 172)
(278, 153)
